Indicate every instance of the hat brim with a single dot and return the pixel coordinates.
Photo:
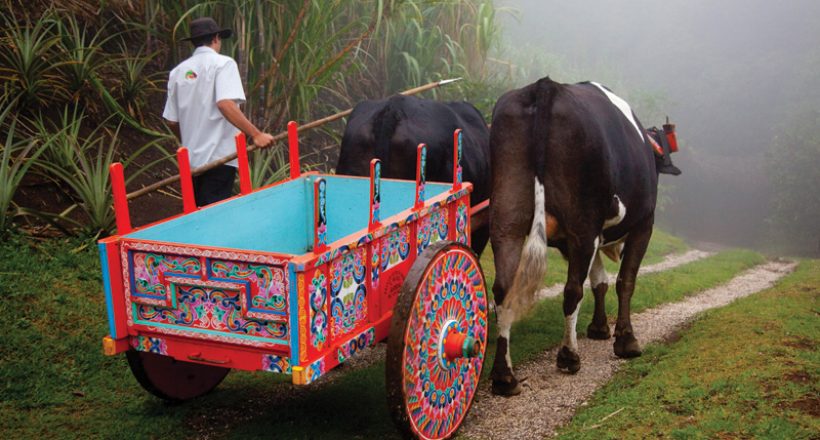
(223, 34)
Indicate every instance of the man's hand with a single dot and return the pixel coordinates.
(263, 140)
(234, 115)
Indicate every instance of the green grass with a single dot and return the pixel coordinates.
(55, 382)
(661, 245)
(749, 370)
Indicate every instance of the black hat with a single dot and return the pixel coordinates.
(205, 26)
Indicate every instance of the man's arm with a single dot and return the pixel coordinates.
(230, 110)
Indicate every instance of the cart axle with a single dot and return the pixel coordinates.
(459, 345)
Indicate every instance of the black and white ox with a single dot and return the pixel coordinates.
(391, 129)
(572, 164)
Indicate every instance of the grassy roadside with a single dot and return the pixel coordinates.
(55, 382)
(749, 370)
(661, 245)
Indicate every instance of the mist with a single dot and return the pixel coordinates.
(734, 75)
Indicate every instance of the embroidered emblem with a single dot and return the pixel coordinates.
(191, 75)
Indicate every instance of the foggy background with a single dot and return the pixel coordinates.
(738, 77)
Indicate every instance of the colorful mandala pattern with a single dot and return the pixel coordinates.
(318, 316)
(431, 229)
(364, 340)
(149, 345)
(315, 370)
(276, 364)
(462, 230)
(348, 304)
(375, 264)
(321, 213)
(376, 190)
(207, 308)
(395, 248)
(147, 268)
(438, 392)
(271, 282)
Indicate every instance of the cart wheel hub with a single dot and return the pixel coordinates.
(455, 345)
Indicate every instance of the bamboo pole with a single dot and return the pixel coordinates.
(281, 136)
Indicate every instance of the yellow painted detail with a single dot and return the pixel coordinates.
(303, 319)
(299, 376)
(109, 346)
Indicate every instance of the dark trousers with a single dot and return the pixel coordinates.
(214, 185)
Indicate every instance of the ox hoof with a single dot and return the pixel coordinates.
(626, 346)
(598, 332)
(569, 361)
(508, 386)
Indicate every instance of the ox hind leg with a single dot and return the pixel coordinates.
(599, 327)
(520, 263)
(626, 346)
(580, 252)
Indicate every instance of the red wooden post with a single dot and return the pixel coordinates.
(244, 167)
(293, 149)
(457, 160)
(319, 215)
(421, 175)
(120, 198)
(186, 182)
(375, 194)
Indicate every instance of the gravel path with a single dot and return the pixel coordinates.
(550, 397)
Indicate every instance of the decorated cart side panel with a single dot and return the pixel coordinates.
(195, 299)
(298, 277)
(350, 287)
(292, 278)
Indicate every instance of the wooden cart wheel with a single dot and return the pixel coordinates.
(170, 379)
(437, 339)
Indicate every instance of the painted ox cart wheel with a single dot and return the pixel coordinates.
(170, 379)
(437, 340)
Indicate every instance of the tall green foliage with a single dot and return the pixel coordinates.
(29, 67)
(16, 156)
(300, 60)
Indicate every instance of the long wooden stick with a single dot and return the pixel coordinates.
(283, 135)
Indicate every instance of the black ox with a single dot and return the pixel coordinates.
(572, 164)
(391, 129)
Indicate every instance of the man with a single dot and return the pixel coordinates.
(204, 93)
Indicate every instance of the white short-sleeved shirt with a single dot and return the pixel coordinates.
(194, 88)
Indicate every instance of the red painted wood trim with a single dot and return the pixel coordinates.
(186, 181)
(120, 198)
(293, 149)
(244, 167)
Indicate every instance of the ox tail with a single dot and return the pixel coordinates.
(384, 127)
(532, 265)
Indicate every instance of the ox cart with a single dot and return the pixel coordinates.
(298, 277)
